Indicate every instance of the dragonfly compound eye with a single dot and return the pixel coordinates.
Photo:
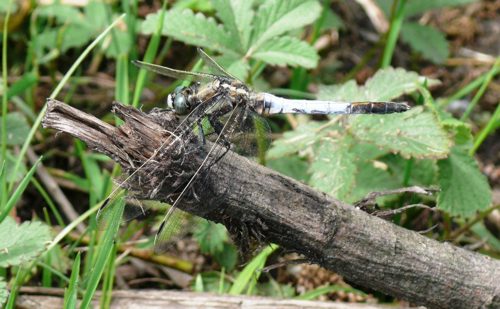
(180, 104)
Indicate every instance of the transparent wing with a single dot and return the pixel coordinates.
(173, 73)
(175, 220)
(171, 229)
(214, 66)
(133, 209)
(105, 214)
(248, 133)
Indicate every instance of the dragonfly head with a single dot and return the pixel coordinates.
(178, 101)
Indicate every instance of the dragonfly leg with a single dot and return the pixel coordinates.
(201, 132)
(218, 126)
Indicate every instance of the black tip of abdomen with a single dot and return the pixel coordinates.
(379, 107)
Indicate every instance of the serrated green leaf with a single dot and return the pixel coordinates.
(227, 257)
(237, 16)
(4, 5)
(119, 45)
(368, 151)
(4, 293)
(45, 41)
(427, 40)
(27, 81)
(211, 236)
(17, 128)
(25, 242)
(75, 35)
(464, 189)
(462, 131)
(297, 140)
(423, 172)
(195, 5)
(190, 28)
(235, 65)
(333, 169)
(62, 13)
(385, 85)
(371, 177)
(291, 166)
(95, 15)
(332, 21)
(272, 288)
(415, 133)
(275, 17)
(287, 51)
(9, 168)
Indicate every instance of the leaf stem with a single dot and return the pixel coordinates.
(3, 153)
(255, 71)
(467, 89)
(490, 127)
(469, 224)
(397, 18)
(482, 89)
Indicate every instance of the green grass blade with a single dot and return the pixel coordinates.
(19, 191)
(52, 270)
(70, 296)
(46, 272)
(3, 150)
(250, 274)
(14, 289)
(121, 90)
(109, 276)
(104, 249)
(49, 201)
(482, 89)
(395, 28)
(478, 81)
(72, 225)
(92, 173)
(149, 56)
(222, 279)
(489, 128)
(198, 284)
(58, 89)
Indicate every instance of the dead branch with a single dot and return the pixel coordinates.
(364, 249)
(34, 298)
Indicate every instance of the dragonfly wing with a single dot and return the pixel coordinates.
(134, 209)
(171, 229)
(214, 66)
(105, 214)
(173, 73)
(248, 133)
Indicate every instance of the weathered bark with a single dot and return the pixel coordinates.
(153, 299)
(364, 249)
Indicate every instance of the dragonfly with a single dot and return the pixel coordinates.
(233, 112)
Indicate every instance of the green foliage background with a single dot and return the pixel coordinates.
(344, 157)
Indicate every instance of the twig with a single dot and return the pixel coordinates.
(364, 249)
